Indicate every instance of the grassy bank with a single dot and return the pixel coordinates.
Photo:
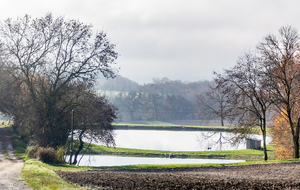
(39, 175)
(246, 154)
(35, 173)
(171, 127)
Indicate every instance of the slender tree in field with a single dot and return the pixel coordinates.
(248, 94)
(214, 104)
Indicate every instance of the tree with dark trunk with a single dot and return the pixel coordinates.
(93, 118)
(249, 94)
(46, 57)
(213, 104)
(280, 55)
(130, 103)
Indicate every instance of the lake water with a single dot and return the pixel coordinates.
(103, 160)
(177, 140)
(168, 141)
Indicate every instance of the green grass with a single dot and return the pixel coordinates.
(19, 146)
(246, 154)
(38, 176)
(69, 168)
(170, 127)
(35, 173)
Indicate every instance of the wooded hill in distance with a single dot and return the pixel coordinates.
(162, 100)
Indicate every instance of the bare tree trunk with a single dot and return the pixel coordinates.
(295, 133)
(296, 149)
(264, 133)
(79, 148)
(296, 143)
(265, 145)
(222, 121)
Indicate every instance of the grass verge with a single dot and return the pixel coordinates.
(246, 154)
(38, 176)
(42, 176)
(171, 127)
(35, 173)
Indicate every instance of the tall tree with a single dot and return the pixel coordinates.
(154, 105)
(281, 58)
(178, 108)
(213, 104)
(130, 103)
(248, 93)
(47, 56)
(93, 120)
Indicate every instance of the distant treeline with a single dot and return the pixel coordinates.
(161, 100)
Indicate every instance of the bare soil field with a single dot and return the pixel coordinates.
(259, 176)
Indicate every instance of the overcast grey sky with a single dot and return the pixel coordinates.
(180, 39)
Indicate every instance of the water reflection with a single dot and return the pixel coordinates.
(103, 160)
(176, 140)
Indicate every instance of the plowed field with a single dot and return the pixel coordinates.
(259, 176)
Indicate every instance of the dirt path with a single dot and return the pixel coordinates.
(10, 166)
(262, 176)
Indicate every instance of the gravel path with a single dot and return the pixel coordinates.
(10, 165)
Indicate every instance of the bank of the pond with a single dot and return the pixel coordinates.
(246, 154)
(37, 173)
(171, 127)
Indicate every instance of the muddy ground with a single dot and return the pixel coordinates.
(261, 176)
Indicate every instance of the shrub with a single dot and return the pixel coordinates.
(47, 155)
(31, 151)
(60, 154)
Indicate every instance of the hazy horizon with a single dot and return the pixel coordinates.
(177, 39)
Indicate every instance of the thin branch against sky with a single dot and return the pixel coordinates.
(181, 40)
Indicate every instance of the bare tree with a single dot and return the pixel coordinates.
(178, 107)
(248, 93)
(93, 120)
(213, 104)
(153, 105)
(46, 56)
(130, 103)
(281, 58)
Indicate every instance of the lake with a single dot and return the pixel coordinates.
(177, 140)
(104, 160)
(167, 141)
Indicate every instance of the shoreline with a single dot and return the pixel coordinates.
(171, 127)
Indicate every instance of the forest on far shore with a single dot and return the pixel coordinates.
(162, 100)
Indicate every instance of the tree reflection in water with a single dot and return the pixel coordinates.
(215, 140)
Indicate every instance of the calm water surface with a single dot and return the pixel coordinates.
(168, 141)
(177, 140)
(103, 160)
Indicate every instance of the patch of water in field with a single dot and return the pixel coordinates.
(103, 160)
(177, 140)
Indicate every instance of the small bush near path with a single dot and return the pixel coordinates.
(36, 174)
